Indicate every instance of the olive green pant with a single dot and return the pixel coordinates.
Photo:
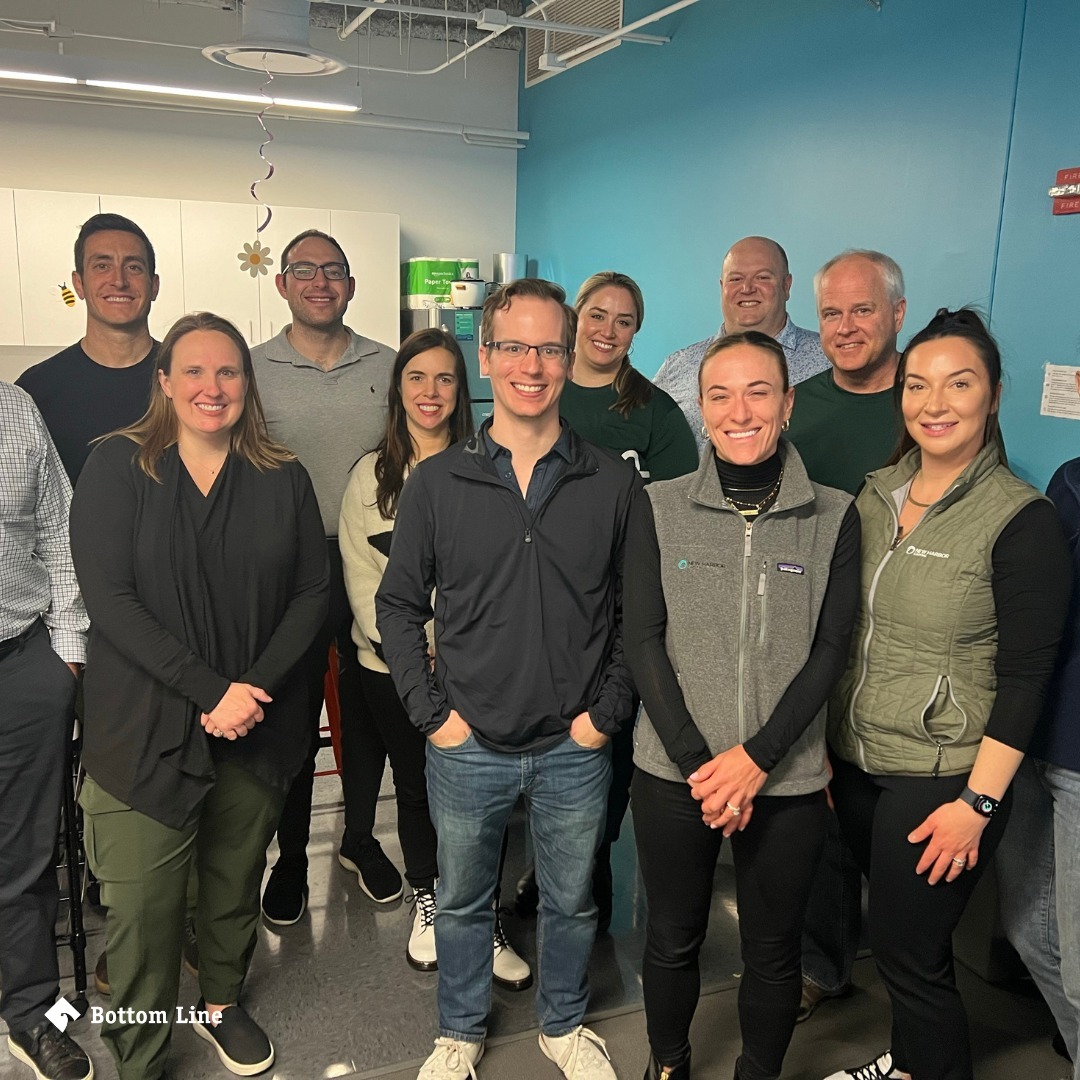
(143, 867)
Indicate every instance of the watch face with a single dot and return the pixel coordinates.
(985, 806)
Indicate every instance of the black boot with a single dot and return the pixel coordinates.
(602, 888)
(528, 895)
(669, 1072)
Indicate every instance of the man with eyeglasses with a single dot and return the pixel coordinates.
(323, 388)
(520, 532)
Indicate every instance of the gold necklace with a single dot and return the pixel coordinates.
(749, 509)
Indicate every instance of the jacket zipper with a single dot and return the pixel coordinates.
(764, 601)
(743, 618)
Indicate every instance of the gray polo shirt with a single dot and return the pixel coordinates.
(329, 419)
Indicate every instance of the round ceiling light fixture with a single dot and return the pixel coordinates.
(275, 57)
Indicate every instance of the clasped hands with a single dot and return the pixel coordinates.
(726, 787)
(238, 711)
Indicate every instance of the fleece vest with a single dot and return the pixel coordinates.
(920, 686)
(743, 602)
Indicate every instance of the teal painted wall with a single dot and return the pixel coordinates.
(928, 130)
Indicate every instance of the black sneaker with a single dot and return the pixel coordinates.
(527, 898)
(50, 1053)
(190, 947)
(377, 875)
(284, 900)
(241, 1044)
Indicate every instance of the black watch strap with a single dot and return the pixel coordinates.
(981, 804)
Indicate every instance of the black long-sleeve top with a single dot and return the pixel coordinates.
(645, 621)
(185, 597)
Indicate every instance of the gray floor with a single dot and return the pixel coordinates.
(338, 999)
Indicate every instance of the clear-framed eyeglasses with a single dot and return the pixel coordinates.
(305, 271)
(518, 350)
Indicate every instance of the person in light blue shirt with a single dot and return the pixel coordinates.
(754, 288)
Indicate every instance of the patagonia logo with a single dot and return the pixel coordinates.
(686, 564)
(790, 568)
(925, 553)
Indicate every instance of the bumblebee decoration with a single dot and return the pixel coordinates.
(66, 295)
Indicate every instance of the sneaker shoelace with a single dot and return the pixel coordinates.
(500, 933)
(579, 1047)
(425, 904)
(455, 1056)
(878, 1069)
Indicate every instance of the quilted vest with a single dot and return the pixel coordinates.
(920, 685)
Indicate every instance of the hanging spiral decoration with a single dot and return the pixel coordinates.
(262, 150)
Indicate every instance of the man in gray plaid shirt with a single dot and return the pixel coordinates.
(42, 647)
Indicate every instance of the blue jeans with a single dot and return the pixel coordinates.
(834, 914)
(471, 793)
(1038, 867)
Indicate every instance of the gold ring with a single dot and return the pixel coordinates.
(960, 862)
(218, 733)
(735, 810)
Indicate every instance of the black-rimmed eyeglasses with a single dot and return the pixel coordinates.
(304, 271)
(518, 350)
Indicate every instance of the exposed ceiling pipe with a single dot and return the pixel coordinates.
(355, 25)
(625, 33)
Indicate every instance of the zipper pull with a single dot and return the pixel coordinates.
(528, 534)
(937, 763)
(746, 543)
(761, 582)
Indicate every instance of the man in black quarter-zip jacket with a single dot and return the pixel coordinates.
(520, 532)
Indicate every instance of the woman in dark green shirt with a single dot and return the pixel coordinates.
(609, 402)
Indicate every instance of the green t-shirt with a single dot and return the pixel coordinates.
(842, 436)
(656, 437)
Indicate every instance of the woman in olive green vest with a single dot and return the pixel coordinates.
(964, 587)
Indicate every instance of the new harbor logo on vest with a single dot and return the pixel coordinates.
(925, 553)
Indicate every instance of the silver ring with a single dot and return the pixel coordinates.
(735, 810)
(218, 733)
(960, 862)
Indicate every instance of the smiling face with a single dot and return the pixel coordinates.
(207, 386)
(607, 322)
(527, 387)
(859, 324)
(744, 404)
(947, 400)
(318, 304)
(115, 280)
(754, 288)
(429, 389)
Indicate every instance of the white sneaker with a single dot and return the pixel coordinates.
(452, 1059)
(880, 1068)
(507, 968)
(582, 1055)
(421, 948)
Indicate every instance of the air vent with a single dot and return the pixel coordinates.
(542, 49)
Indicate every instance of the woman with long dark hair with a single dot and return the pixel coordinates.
(428, 409)
(965, 584)
(201, 556)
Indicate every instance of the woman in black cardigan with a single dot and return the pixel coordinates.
(200, 553)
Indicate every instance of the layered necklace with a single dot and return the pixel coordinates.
(752, 509)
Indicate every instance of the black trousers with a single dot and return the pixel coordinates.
(37, 698)
(407, 750)
(362, 752)
(911, 921)
(775, 859)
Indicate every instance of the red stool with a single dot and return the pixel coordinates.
(331, 734)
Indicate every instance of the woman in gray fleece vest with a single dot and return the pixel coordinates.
(741, 586)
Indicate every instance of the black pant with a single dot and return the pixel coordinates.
(363, 757)
(406, 747)
(911, 921)
(775, 859)
(37, 696)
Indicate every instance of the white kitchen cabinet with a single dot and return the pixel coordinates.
(213, 233)
(11, 328)
(287, 222)
(47, 224)
(160, 220)
(372, 244)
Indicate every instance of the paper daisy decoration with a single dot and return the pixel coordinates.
(255, 259)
